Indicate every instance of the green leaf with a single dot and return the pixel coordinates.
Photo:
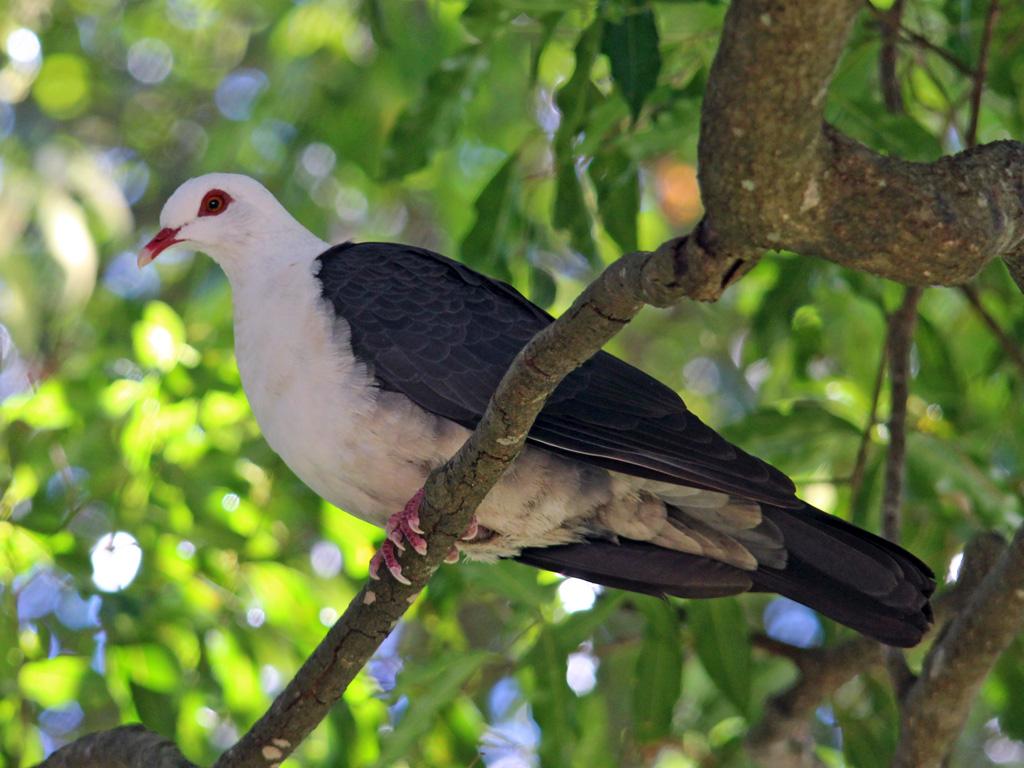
(575, 97)
(616, 180)
(720, 636)
(487, 243)
(429, 690)
(631, 44)
(659, 671)
(870, 730)
(431, 120)
(53, 682)
(542, 287)
(571, 212)
(554, 704)
(158, 711)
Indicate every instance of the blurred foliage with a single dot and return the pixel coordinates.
(159, 563)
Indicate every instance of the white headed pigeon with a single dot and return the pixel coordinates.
(368, 364)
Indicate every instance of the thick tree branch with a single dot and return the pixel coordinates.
(129, 746)
(937, 705)
(792, 182)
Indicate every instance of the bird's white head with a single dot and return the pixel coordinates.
(227, 216)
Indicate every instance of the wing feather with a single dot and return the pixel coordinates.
(443, 335)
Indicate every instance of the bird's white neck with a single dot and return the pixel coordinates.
(258, 262)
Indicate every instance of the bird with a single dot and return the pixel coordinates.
(368, 365)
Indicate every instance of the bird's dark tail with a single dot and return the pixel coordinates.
(858, 579)
(849, 575)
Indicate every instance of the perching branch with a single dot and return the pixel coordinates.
(454, 491)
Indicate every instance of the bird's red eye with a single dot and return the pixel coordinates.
(215, 202)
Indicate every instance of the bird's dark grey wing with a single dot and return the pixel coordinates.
(443, 335)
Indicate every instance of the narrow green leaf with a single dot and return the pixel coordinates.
(435, 687)
(631, 44)
(487, 243)
(574, 98)
(720, 636)
(158, 711)
(553, 702)
(571, 212)
(542, 287)
(659, 671)
(617, 183)
(432, 118)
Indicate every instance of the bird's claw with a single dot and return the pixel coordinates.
(405, 526)
(402, 527)
(386, 555)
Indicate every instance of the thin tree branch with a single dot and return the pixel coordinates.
(900, 340)
(129, 746)
(920, 41)
(901, 335)
(982, 72)
(1010, 347)
(860, 463)
(888, 57)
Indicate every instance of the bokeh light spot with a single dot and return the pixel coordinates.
(62, 88)
(326, 559)
(115, 561)
(23, 46)
(581, 672)
(577, 595)
(237, 92)
(150, 60)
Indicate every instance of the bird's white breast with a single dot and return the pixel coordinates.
(362, 449)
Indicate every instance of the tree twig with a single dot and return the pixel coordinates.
(901, 334)
(920, 41)
(981, 72)
(888, 57)
(860, 463)
(1010, 347)
(899, 343)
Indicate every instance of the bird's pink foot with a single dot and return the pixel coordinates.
(403, 526)
(406, 525)
(388, 556)
(475, 532)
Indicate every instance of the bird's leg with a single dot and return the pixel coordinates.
(406, 525)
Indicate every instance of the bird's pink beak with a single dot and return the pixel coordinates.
(163, 239)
